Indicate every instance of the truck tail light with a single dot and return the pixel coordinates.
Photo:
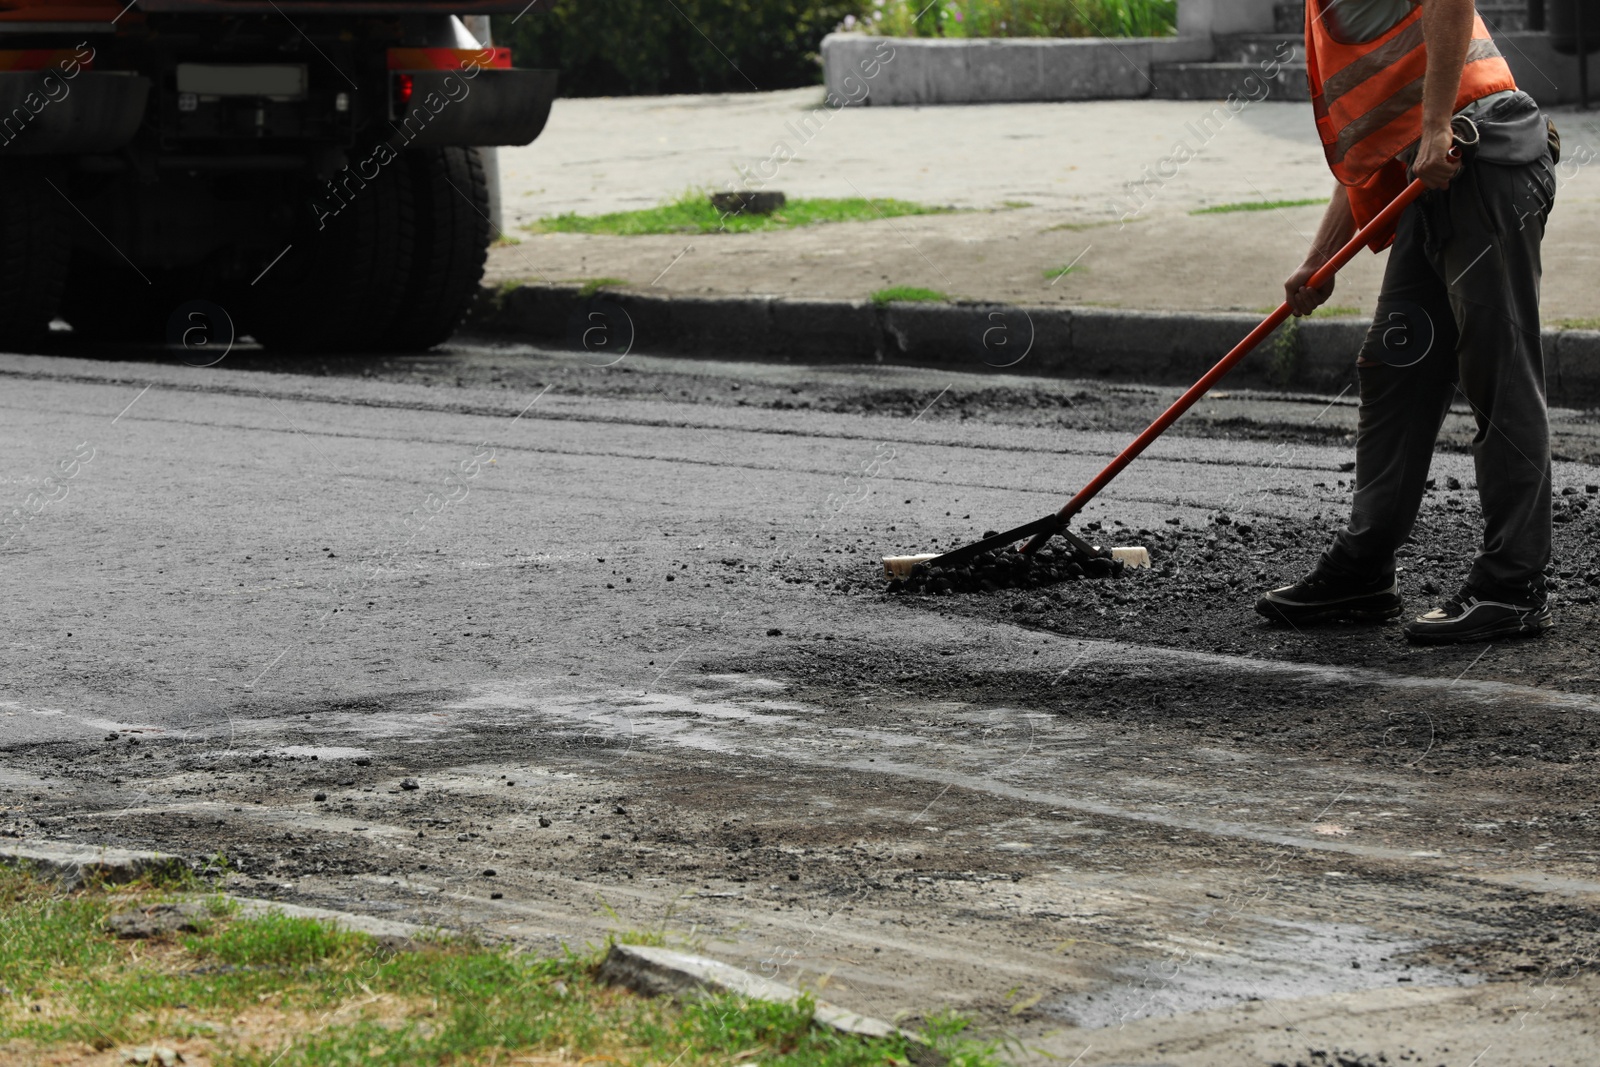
(402, 92)
(449, 58)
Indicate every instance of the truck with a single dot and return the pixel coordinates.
(320, 174)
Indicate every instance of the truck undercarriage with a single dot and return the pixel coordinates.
(314, 171)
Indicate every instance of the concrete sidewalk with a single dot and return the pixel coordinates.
(1106, 185)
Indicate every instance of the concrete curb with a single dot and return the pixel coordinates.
(656, 972)
(1148, 347)
(391, 933)
(72, 865)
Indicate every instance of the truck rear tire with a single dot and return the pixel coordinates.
(34, 248)
(451, 191)
(107, 301)
(340, 284)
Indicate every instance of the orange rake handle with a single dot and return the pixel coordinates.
(1243, 348)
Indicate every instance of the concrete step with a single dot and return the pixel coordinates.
(1259, 47)
(1289, 17)
(1218, 81)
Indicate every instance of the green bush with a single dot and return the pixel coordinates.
(1021, 18)
(633, 47)
(624, 47)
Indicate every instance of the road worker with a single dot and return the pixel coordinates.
(1395, 86)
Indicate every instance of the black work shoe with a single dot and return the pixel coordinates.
(1323, 595)
(1474, 616)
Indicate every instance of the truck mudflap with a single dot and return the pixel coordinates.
(42, 112)
(444, 108)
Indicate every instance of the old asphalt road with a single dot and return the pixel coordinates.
(548, 648)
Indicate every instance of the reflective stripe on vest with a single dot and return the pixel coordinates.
(1369, 105)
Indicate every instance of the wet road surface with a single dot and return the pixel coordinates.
(617, 626)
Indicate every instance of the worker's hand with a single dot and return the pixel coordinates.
(1302, 299)
(1433, 163)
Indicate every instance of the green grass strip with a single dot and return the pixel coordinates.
(1257, 205)
(692, 213)
(1326, 311)
(908, 294)
(591, 286)
(278, 991)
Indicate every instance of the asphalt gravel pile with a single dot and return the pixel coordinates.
(1199, 559)
(1227, 553)
(1008, 568)
(1206, 573)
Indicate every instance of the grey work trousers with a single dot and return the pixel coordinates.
(1458, 317)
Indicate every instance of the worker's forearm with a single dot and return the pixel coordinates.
(1447, 31)
(1337, 227)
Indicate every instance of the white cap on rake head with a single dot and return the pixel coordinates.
(901, 566)
(1132, 555)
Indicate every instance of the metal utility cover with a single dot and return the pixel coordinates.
(282, 81)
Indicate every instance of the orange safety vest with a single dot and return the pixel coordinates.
(1367, 99)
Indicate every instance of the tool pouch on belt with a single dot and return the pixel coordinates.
(1553, 135)
(1511, 131)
